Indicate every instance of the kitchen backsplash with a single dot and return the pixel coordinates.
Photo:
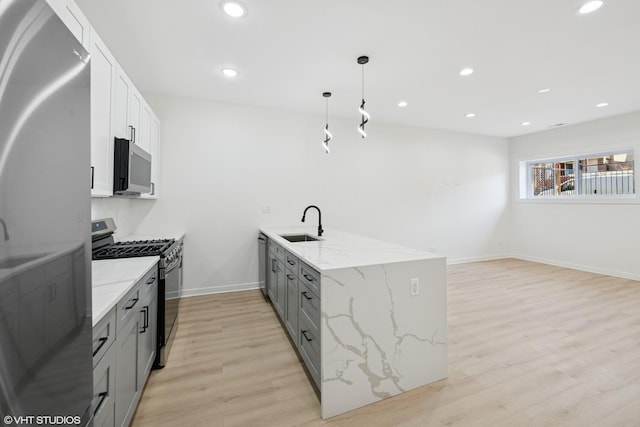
(126, 212)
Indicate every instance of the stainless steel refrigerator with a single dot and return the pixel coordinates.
(45, 254)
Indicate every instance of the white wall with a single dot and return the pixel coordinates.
(598, 237)
(223, 164)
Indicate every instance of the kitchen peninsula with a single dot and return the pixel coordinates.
(381, 313)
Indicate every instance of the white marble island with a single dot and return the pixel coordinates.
(377, 339)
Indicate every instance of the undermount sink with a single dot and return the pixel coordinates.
(15, 261)
(294, 238)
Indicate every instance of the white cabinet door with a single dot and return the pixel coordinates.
(150, 141)
(74, 19)
(122, 106)
(136, 103)
(103, 72)
(155, 161)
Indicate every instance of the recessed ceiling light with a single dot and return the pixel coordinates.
(545, 90)
(590, 6)
(402, 104)
(233, 9)
(466, 71)
(470, 115)
(229, 72)
(525, 123)
(602, 104)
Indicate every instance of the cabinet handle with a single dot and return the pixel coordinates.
(153, 188)
(307, 297)
(151, 280)
(133, 134)
(145, 321)
(273, 265)
(291, 262)
(304, 333)
(290, 277)
(103, 397)
(133, 304)
(92, 175)
(309, 278)
(103, 341)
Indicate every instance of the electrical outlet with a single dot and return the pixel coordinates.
(415, 286)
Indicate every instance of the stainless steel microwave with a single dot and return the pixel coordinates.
(132, 169)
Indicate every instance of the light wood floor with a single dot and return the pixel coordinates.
(529, 345)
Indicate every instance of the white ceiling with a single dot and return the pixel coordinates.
(290, 51)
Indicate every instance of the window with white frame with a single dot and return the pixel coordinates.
(589, 175)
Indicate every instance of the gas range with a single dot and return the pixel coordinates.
(135, 248)
(104, 246)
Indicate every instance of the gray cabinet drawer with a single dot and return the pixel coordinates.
(310, 277)
(309, 347)
(104, 333)
(291, 262)
(310, 306)
(276, 249)
(104, 390)
(149, 281)
(128, 306)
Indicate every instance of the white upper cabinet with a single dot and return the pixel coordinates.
(118, 110)
(135, 115)
(153, 132)
(74, 19)
(128, 110)
(103, 78)
(121, 110)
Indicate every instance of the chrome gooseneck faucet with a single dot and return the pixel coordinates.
(4, 226)
(320, 230)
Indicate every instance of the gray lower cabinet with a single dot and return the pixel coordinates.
(147, 339)
(104, 371)
(127, 384)
(291, 310)
(277, 285)
(294, 289)
(124, 351)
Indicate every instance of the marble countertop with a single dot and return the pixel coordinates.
(113, 278)
(338, 249)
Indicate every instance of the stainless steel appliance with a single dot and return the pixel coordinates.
(46, 368)
(169, 269)
(262, 263)
(131, 169)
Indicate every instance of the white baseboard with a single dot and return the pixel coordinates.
(453, 261)
(581, 267)
(221, 289)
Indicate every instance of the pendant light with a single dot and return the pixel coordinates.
(365, 116)
(327, 134)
